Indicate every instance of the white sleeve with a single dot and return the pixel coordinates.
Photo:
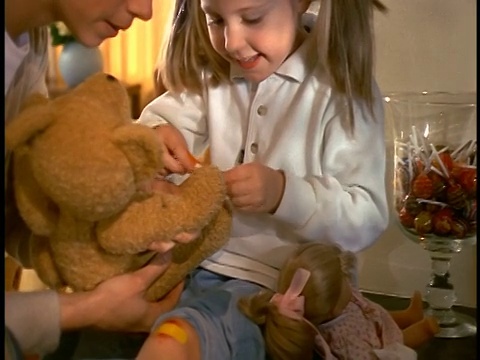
(347, 205)
(186, 112)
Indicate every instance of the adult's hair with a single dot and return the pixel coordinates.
(287, 338)
(30, 74)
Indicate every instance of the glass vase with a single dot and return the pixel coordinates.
(434, 189)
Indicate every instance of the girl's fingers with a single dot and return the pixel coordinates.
(173, 165)
(187, 160)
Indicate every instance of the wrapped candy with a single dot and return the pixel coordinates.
(436, 188)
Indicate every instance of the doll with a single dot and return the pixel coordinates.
(318, 309)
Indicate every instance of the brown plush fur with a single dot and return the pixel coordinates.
(82, 174)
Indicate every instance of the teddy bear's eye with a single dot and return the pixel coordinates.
(111, 78)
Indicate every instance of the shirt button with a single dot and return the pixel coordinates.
(262, 110)
(254, 148)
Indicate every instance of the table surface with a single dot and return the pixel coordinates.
(438, 348)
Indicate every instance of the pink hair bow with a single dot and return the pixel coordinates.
(291, 304)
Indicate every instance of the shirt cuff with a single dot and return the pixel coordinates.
(34, 320)
(298, 202)
(150, 120)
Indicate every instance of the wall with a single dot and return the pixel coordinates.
(421, 45)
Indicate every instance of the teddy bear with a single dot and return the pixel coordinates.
(82, 174)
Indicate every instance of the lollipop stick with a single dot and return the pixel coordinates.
(440, 162)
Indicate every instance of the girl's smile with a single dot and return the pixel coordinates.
(249, 63)
(267, 28)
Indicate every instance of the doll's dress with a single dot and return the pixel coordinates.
(364, 331)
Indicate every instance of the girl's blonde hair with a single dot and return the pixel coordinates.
(345, 39)
(187, 51)
(287, 338)
(345, 43)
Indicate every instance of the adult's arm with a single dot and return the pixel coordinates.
(36, 319)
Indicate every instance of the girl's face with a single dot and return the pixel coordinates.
(254, 35)
(93, 21)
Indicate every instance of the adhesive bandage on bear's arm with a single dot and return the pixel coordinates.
(177, 178)
(197, 162)
(172, 329)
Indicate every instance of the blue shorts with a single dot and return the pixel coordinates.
(209, 304)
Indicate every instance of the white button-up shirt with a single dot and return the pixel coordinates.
(335, 185)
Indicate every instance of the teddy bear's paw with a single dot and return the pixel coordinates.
(133, 230)
(88, 266)
(206, 183)
(163, 215)
(186, 257)
(166, 283)
(200, 198)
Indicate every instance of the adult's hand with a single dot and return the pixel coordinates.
(118, 304)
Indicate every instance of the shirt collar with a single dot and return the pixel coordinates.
(296, 67)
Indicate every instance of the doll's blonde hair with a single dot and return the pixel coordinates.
(345, 44)
(287, 338)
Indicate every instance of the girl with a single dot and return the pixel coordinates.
(295, 120)
(317, 308)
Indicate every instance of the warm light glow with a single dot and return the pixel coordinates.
(132, 55)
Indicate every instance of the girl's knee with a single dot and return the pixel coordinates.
(175, 338)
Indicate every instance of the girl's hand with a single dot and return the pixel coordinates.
(175, 156)
(254, 187)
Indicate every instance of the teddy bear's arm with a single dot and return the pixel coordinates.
(163, 216)
(81, 262)
(142, 149)
(188, 256)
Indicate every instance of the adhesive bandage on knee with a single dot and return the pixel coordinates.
(173, 330)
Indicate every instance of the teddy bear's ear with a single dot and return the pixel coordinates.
(140, 145)
(33, 118)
